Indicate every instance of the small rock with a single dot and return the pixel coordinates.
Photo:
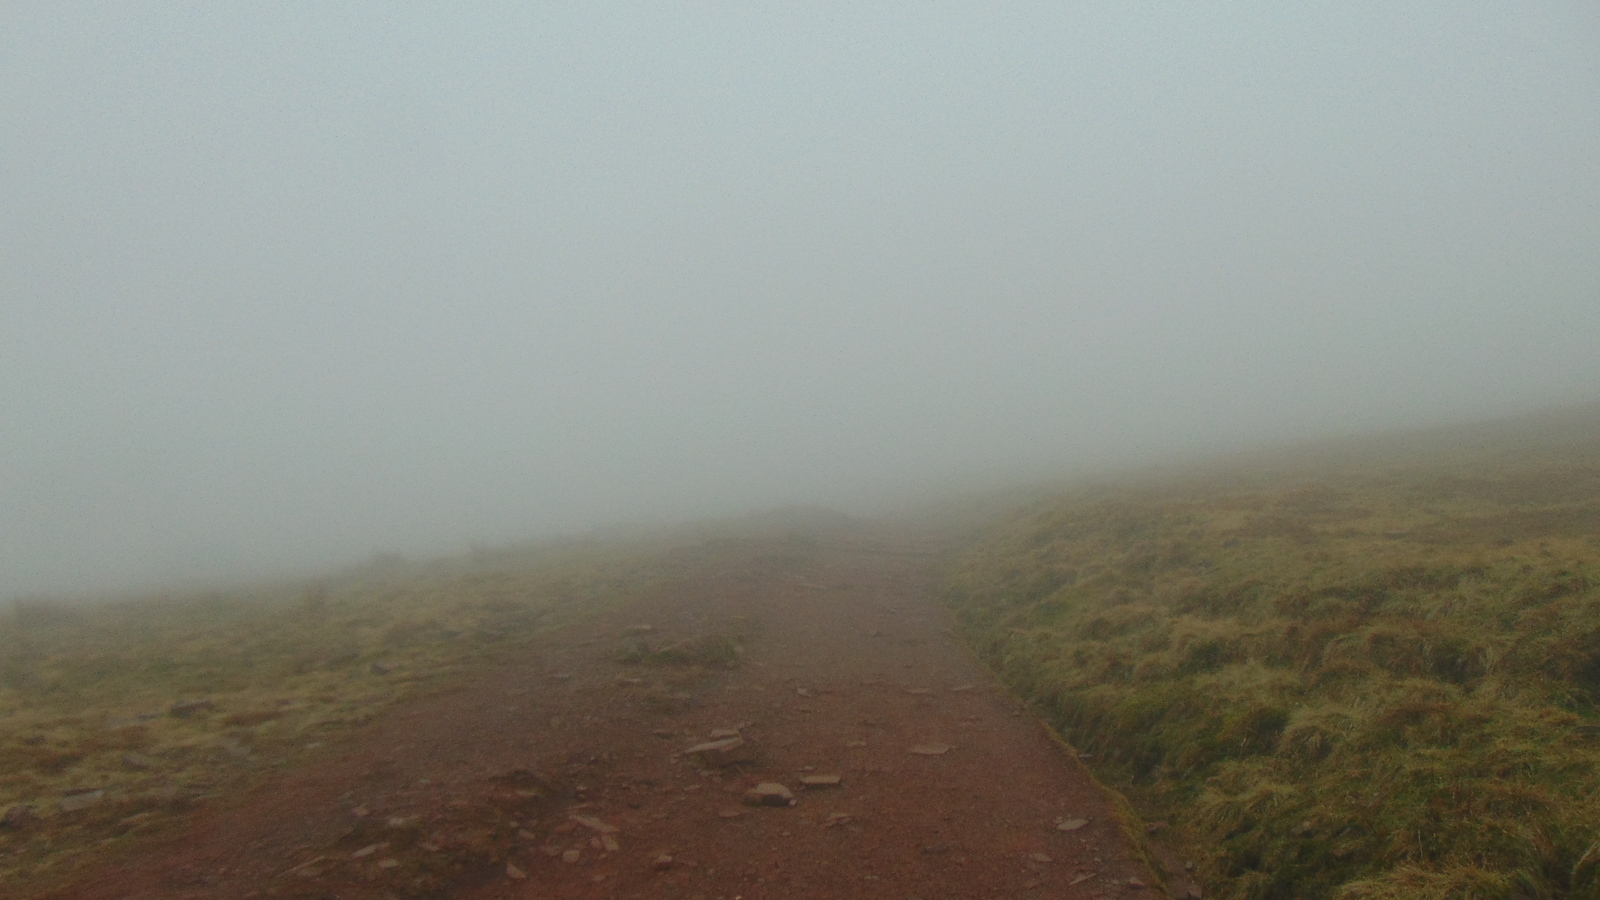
(593, 824)
(514, 873)
(571, 856)
(662, 863)
(930, 749)
(1039, 857)
(1082, 877)
(1193, 892)
(609, 844)
(1071, 824)
(389, 863)
(82, 800)
(731, 813)
(360, 812)
(188, 708)
(834, 820)
(816, 781)
(725, 752)
(17, 817)
(1136, 883)
(769, 793)
(1154, 827)
(368, 850)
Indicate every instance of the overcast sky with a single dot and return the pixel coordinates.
(286, 284)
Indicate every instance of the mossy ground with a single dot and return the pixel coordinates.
(92, 695)
(1375, 680)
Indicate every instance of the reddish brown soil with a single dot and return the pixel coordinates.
(847, 665)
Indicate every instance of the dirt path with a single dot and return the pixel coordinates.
(567, 775)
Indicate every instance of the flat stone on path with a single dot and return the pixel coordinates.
(930, 749)
(769, 793)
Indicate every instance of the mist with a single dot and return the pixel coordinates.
(283, 286)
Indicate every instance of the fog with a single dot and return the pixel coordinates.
(285, 285)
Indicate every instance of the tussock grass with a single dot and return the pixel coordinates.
(117, 716)
(1370, 681)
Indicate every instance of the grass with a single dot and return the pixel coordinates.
(1376, 678)
(117, 717)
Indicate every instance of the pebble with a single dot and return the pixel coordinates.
(593, 824)
(663, 862)
(571, 856)
(724, 752)
(930, 749)
(82, 800)
(515, 873)
(814, 781)
(1071, 824)
(769, 793)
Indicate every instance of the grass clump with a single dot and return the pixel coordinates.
(1378, 681)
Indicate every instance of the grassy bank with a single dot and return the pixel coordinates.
(116, 717)
(1377, 679)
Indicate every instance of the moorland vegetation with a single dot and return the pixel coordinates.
(1366, 672)
(119, 717)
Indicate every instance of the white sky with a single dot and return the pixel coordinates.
(285, 284)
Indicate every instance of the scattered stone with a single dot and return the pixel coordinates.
(609, 844)
(1082, 877)
(389, 863)
(593, 824)
(1136, 883)
(725, 752)
(185, 709)
(816, 781)
(721, 734)
(360, 812)
(81, 800)
(571, 856)
(855, 743)
(1040, 857)
(18, 816)
(514, 873)
(834, 820)
(1071, 824)
(769, 793)
(804, 692)
(930, 749)
(662, 862)
(138, 762)
(368, 850)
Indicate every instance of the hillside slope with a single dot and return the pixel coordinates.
(1365, 674)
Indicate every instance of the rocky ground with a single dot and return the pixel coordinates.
(792, 719)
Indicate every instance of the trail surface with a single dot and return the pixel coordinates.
(568, 774)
